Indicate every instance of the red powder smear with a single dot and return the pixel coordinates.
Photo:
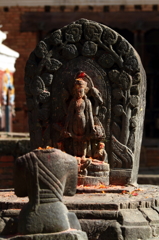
(81, 75)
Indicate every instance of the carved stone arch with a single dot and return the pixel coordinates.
(117, 74)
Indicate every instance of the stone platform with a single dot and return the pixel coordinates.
(110, 213)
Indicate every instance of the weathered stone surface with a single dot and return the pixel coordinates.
(136, 232)
(120, 177)
(151, 215)
(98, 167)
(102, 229)
(67, 235)
(101, 83)
(132, 217)
(10, 212)
(94, 181)
(96, 214)
(156, 208)
(44, 176)
(106, 215)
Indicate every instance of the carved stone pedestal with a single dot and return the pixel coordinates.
(98, 173)
(66, 235)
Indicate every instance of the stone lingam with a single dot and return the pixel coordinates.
(44, 176)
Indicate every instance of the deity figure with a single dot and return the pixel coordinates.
(79, 122)
(82, 122)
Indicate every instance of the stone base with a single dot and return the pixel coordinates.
(125, 213)
(120, 176)
(93, 181)
(66, 235)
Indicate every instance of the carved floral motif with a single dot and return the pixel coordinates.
(92, 31)
(56, 37)
(41, 50)
(89, 49)
(109, 36)
(73, 33)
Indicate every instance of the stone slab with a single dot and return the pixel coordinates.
(132, 217)
(151, 215)
(10, 212)
(96, 214)
(120, 176)
(99, 201)
(101, 229)
(67, 235)
(136, 233)
(156, 208)
(93, 181)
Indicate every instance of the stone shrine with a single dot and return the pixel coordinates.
(85, 89)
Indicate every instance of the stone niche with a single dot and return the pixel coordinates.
(88, 61)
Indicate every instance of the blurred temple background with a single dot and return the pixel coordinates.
(7, 91)
(28, 21)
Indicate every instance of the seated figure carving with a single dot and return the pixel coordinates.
(100, 153)
(44, 175)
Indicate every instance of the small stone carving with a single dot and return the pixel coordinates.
(100, 153)
(44, 176)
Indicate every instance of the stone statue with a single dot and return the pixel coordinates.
(109, 97)
(44, 175)
(79, 121)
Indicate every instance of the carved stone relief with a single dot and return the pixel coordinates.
(85, 84)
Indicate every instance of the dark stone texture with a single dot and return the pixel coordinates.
(120, 177)
(132, 217)
(44, 176)
(11, 225)
(96, 214)
(102, 229)
(98, 75)
(10, 212)
(137, 232)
